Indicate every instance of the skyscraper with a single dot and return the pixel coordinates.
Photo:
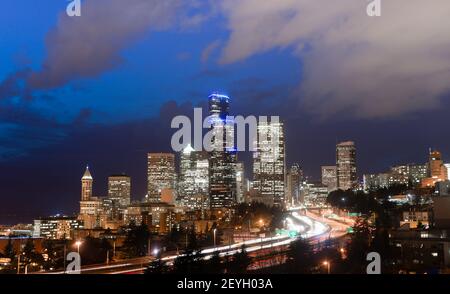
(269, 163)
(86, 185)
(437, 171)
(90, 207)
(294, 178)
(436, 166)
(346, 165)
(193, 184)
(222, 175)
(447, 165)
(160, 174)
(329, 178)
(119, 194)
(240, 181)
(119, 188)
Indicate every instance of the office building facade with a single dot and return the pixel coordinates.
(346, 165)
(160, 174)
(269, 167)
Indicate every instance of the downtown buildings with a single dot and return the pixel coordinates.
(329, 177)
(269, 166)
(437, 171)
(294, 181)
(56, 227)
(161, 175)
(414, 175)
(408, 174)
(223, 157)
(193, 184)
(346, 177)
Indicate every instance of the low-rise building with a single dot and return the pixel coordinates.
(159, 216)
(56, 227)
(416, 218)
(421, 250)
(315, 194)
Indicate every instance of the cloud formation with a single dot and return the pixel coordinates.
(87, 46)
(370, 67)
(206, 53)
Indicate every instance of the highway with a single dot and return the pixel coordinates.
(310, 226)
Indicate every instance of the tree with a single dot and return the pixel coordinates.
(300, 256)
(157, 267)
(9, 251)
(136, 241)
(359, 245)
(214, 265)
(28, 250)
(189, 262)
(30, 256)
(192, 240)
(52, 256)
(239, 262)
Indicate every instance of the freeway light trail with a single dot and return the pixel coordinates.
(297, 223)
(305, 227)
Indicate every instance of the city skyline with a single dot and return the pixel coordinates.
(111, 114)
(232, 139)
(248, 173)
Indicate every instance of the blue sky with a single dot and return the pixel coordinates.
(156, 68)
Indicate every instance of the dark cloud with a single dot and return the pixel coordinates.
(367, 67)
(89, 45)
(46, 180)
(14, 84)
(83, 116)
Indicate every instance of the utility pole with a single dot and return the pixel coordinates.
(18, 263)
(64, 257)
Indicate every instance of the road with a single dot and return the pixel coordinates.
(310, 226)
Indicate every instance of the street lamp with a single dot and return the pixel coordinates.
(214, 231)
(342, 250)
(155, 252)
(327, 264)
(78, 244)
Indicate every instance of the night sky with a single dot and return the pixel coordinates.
(101, 89)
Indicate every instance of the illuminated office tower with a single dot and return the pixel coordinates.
(417, 172)
(222, 175)
(194, 179)
(240, 181)
(119, 188)
(119, 194)
(160, 174)
(329, 177)
(447, 165)
(437, 171)
(86, 185)
(269, 163)
(346, 165)
(294, 178)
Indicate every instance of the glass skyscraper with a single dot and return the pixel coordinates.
(222, 174)
(346, 165)
(269, 168)
(161, 174)
(194, 179)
